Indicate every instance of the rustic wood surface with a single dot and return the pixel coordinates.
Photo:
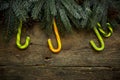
(76, 61)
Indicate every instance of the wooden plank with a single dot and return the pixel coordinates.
(76, 51)
(58, 73)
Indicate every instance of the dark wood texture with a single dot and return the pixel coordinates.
(76, 61)
(59, 73)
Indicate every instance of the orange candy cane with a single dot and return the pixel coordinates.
(58, 40)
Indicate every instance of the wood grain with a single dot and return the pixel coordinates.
(59, 73)
(76, 61)
(76, 51)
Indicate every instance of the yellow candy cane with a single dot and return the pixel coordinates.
(103, 32)
(20, 46)
(58, 39)
(100, 39)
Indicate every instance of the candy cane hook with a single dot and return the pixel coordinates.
(103, 32)
(58, 39)
(19, 45)
(100, 39)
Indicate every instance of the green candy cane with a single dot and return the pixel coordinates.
(99, 36)
(20, 46)
(103, 32)
(100, 39)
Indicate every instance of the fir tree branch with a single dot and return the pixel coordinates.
(19, 10)
(37, 8)
(71, 9)
(52, 6)
(65, 19)
(4, 5)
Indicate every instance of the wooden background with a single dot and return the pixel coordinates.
(76, 61)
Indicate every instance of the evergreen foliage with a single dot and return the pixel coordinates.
(66, 13)
(3, 5)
